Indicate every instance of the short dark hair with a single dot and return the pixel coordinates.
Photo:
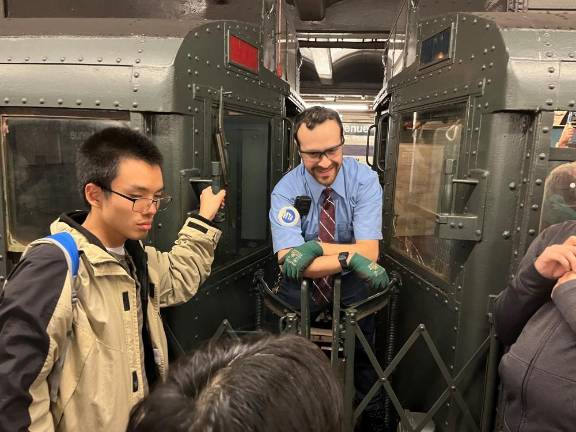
(99, 156)
(262, 384)
(314, 116)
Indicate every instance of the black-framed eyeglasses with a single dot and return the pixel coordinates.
(142, 205)
(317, 155)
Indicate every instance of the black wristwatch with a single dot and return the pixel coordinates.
(343, 259)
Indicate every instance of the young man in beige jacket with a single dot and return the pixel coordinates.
(109, 347)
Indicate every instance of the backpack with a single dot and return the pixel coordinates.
(66, 243)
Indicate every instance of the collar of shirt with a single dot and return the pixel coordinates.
(316, 188)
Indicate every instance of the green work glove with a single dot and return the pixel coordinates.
(369, 271)
(299, 258)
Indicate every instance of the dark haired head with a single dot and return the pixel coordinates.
(314, 116)
(267, 384)
(99, 156)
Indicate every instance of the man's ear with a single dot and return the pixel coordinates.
(94, 195)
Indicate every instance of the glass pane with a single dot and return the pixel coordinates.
(559, 203)
(40, 171)
(563, 135)
(248, 144)
(428, 150)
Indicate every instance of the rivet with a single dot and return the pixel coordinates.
(189, 55)
(571, 55)
(41, 101)
(118, 59)
(532, 232)
(80, 59)
(571, 103)
(196, 58)
(135, 89)
(549, 102)
(493, 47)
(485, 51)
(551, 69)
(486, 105)
(196, 34)
(140, 51)
(218, 26)
(99, 59)
(545, 129)
(24, 100)
(44, 58)
(62, 59)
(535, 207)
(542, 156)
(137, 60)
(78, 102)
(135, 104)
(217, 66)
(60, 101)
(207, 29)
(487, 26)
(6, 100)
(208, 62)
(475, 20)
(9, 59)
(551, 86)
(489, 81)
(189, 86)
(189, 108)
(196, 131)
(479, 83)
(478, 232)
(549, 54)
(27, 59)
(538, 182)
(196, 110)
(116, 103)
(136, 74)
(491, 64)
(512, 186)
(97, 102)
(472, 57)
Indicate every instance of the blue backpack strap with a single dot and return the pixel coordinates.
(67, 242)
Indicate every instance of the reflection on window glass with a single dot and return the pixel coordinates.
(40, 173)
(559, 203)
(248, 145)
(563, 130)
(428, 149)
(355, 134)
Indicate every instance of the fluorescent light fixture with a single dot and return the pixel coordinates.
(347, 107)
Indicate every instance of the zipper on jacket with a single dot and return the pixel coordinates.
(529, 370)
(134, 381)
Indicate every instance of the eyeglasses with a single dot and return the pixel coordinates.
(142, 205)
(317, 155)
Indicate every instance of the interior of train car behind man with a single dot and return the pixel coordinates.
(340, 232)
(70, 365)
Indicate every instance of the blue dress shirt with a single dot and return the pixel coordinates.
(357, 196)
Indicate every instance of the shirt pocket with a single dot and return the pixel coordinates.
(345, 233)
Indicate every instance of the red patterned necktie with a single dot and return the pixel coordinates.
(326, 228)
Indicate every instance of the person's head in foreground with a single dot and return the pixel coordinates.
(257, 384)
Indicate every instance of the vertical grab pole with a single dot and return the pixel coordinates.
(305, 308)
(336, 322)
(349, 349)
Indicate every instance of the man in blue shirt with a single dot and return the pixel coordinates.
(338, 233)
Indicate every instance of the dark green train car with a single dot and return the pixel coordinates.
(197, 88)
(466, 140)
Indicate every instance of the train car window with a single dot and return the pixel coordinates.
(436, 48)
(39, 170)
(559, 203)
(429, 144)
(563, 135)
(248, 139)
